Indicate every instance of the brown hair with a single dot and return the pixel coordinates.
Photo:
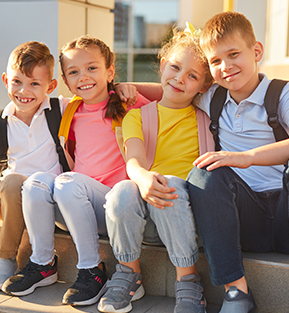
(30, 54)
(226, 24)
(114, 108)
(181, 40)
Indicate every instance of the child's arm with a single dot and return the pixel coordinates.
(273, 154)
(128, 91)
(152, 185)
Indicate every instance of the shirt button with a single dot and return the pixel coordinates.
(238, 115)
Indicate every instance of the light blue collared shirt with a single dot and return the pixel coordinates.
(244, 126)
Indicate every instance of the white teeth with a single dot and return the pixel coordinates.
(24, 100)
(85, 87)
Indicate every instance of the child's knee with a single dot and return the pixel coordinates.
(12, 184)
(39, 182)
(120, 201)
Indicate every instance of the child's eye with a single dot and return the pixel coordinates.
(72, 72)
(175, 67)
(233, 54)
(215, 62)
(91, 68)
(35, 84)
(193, 76)
(16, 81)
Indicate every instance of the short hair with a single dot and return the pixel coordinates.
(181, 40)
(226, 24)
(30, 54)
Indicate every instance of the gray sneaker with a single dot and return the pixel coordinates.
(189, 295)
(238, 302)
(125, 286)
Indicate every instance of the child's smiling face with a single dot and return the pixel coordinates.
(234, 65)
(86, 75)
(28, 93)
(183, 76)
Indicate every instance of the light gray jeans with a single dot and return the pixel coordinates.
(73, 202)
(131, 220)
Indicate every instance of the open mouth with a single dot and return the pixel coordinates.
(86, 87)
(24, 100)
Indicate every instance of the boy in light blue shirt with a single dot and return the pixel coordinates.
(246, 208)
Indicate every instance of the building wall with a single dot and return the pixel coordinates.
(53, 23)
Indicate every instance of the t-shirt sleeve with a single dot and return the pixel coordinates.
(132, 125)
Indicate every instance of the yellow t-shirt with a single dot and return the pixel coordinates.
(177, 143)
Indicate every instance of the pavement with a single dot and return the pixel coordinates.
(48, 299)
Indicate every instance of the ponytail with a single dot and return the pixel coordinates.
(114, 107)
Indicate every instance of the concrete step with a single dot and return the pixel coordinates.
(267, 273)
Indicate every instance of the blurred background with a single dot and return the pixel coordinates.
(135, 30)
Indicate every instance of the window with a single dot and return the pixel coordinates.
(139, 29)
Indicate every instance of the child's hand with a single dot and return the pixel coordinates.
(127, 93)
(154, 190)
(223, 158)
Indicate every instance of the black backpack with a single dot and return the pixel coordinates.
(271, 103)
(53, 118)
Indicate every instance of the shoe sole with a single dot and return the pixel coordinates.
(89, 301)
(109, 308)
(44, 282)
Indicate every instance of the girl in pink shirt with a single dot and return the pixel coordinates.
(74, 200)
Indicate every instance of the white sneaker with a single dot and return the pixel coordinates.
(7, 269)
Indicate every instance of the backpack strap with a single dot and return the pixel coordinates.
(53, 117)
(67, 118)
(149, 115)
(271, 103)
(3, 142)
(216, 107)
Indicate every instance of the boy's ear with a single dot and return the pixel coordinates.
(163, 64)
(52, 86)
(5, 79)
(259, 50)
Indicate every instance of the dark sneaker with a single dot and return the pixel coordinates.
(238, 302)
(189, 295)
(125, 286)
(31, 277)
(88, 287)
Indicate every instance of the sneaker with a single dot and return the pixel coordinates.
(8, 268)
(125, 286)
(189, 295)
(238, 302)
(33, 275)
(88, 287)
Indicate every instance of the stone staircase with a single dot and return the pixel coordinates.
(267, 274)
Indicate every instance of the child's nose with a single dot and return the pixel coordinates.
(226, 65)
(179, 78)
(83, 76)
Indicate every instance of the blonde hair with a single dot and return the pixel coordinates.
(227, 24)
(30, 54)
(114, 108)
(182, 40)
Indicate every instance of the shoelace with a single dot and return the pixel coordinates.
(29, 269)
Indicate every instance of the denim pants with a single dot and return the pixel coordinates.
(73, 202)
(231, 217)
(127, 215)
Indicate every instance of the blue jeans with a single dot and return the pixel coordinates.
(130, 220)
(231, 217)
(73, 202)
